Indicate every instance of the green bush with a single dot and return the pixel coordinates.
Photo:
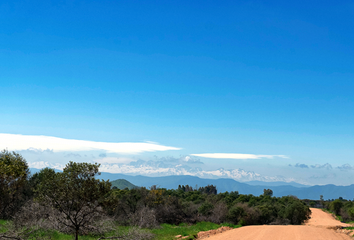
(206, 209)
(297, 212)
(335, 206)
(236, 213)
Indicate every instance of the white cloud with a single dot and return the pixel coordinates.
(325, 166)
(150, 169)
(24, 142)
(114, 160)
(188, 159)
(236, 156)
(159, 168)
(345, 167)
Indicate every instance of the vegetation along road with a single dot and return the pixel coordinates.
(321, 226)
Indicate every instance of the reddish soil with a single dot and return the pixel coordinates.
(207, 234)
(321, 226)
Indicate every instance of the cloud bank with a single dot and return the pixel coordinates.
(345, 167)
(301, 165)
(324, 166)
(24, 142)
(237, 156)
(173, 166)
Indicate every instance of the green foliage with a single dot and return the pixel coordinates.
(236, 213)
(341, 208)
(210, 189)
(297, 212)
(267, 213)
(164, 232)
(268, 192)
(2, 222)
(44, 175)
(351, 212)
(176, 206)
(206, 208)
(335, 206)
(75, 193)
(14, 174)
(127, 233)
(77, 203)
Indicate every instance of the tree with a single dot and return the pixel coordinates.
(210, 189)
(268, 192)
(43, 175)
(77, 195)
(335, 206)
(322, 201)
(14, 174)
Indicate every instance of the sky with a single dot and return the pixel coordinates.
(250, 90)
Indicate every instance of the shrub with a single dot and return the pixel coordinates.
(335, 206)
(206, 209)
(144, 218)
(219, 213)
(266, 212)
(170, 212)
(236, 213)
(297, 212)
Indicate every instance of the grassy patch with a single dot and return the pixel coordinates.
(167, 231)
(338, 217)
(2, 228)
(3, 222)
(349, 228)
(55, 235)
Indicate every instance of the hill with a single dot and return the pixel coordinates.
(122, 184)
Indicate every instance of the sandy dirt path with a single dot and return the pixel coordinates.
(319, 227)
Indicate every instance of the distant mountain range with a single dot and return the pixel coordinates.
(260, 183)
(224, 184)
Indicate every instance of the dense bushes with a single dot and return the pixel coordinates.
(190, 205)
(14, 176)
(342, 208)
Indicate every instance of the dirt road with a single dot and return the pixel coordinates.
(319, 227)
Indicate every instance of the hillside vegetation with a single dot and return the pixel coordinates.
(123, 184)
(74, 202)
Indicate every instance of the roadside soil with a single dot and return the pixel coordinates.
(321, 226)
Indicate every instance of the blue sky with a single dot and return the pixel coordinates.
(244, 77)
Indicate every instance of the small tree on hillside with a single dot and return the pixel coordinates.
(77, 195)
(268, 192)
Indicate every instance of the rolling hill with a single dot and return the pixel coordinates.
(122, 184)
